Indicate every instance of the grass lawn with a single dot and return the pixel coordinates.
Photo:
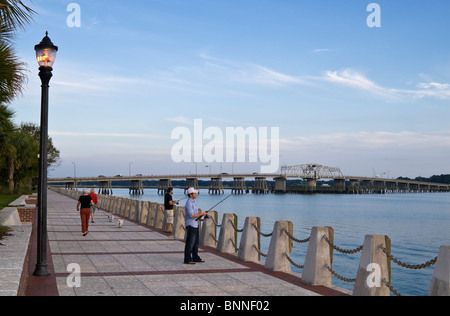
(5, 200)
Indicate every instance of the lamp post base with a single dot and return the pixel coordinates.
(41, 270)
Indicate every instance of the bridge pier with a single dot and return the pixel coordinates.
(355, 186)
(312, 185)
(216, 186)
(164, 184)
(403, 187)
(391, 187)
(339, 185)
(280, 185)
(239, 186)
(414, 187)
(71, 186)
(136, 187)
(105, 188)
(379, 186)
(191, 183)
(260, 186)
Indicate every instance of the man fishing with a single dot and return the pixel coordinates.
(168, 206)
(192, 233)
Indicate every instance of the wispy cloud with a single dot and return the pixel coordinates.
(210, 75)
(266, 76)
(356, 80)
(320, 50)
(429, 89)
(249, 73)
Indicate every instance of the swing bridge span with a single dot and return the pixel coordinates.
(310, 173)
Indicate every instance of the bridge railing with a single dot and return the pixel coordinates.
(373, 277)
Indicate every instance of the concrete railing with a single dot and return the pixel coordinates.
(372, 277)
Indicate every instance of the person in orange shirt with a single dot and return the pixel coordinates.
(94, 206)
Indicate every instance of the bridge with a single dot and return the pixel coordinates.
(311, 173)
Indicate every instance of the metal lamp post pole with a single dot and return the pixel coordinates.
(42, 267)
(45, 54)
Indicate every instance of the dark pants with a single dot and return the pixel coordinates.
(191, 248)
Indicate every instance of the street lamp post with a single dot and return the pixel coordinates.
(45, 55)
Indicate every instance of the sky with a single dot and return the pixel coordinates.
(369, 100)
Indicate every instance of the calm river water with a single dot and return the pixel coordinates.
(418, 225)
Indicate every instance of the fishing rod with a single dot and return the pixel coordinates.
(182, 199)
(215, 206)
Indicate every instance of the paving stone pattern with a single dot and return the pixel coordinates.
(138, 260)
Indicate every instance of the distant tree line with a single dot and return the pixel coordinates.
(443, 178)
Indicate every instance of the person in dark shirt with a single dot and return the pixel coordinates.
(84, 207)
(168, 206)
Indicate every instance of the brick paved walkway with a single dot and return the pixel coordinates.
(138, 260)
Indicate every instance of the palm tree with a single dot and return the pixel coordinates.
(14, 15)
(6, 129)
(12, 74)
(6, 115)
(22, 161)
(6, 126)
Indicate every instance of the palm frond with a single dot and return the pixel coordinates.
(15, 14)
(12, 74)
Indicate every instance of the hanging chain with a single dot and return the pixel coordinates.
(348, 252)
(409, 266)
(262, 234)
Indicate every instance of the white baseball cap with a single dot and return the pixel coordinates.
(192, 190)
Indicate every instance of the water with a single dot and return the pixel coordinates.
(418, 225)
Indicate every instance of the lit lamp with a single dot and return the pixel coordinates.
(45, 55)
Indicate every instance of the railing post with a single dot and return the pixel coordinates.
(208, 234)
(374, 267)
(152, 214)
(144, 212)
(133, 206)
(113, 204)
(139, 208)
(227, 234)
(440, 284)
(159, 218)
(106, 207)
(123, 209)
(129, 207)
(280, 246)
(179, 226)
(318, 256)
(119, 206)
(250, 239)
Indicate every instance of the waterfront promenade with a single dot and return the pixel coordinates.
(141, 261)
